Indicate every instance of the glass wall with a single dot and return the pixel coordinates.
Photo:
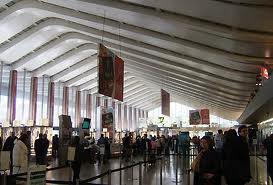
(179, 114)
(71, 105)
(4, 86)
(124, 119)
(22, 98)
(58, 100)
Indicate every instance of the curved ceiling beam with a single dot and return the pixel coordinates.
(136, 91)
(204, 96)
(80, 76)
(138, 95)
(85, 85)
(192, 78)
(69, 14)
(125, 42)
(209, 100)
(150, 106)
(203, 25)
(157, 60)
(167, 80)
(56, 41)
(184, 26)
(179, 66)
(60, 59)
(133, 86)
(82, 64)
(159, 72)
(190, 93)
(51, 22)
(199, 93)
(142, 101)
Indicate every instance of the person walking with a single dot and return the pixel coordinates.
(101, 143)
(55, 146)
(268, 144)
(76, 164)
(20, 155)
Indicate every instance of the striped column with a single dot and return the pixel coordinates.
(89, 106)
(50, 103)
(135, 119)
(126, 125)
(65, 100)
(33, 99)
(12, 96)
(78, 108)
(146, 114)
(130, 118)
(98, 99)
(105, 102)
(119, 116)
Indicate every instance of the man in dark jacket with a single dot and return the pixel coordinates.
(55, 145)
(39, 147)
(8, 146)
(76, 164)
(236, 157)
(46, 146)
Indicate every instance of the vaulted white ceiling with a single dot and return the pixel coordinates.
(205, 53)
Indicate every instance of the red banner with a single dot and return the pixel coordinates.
(264, 72)
(107, 120)
(111, 74)
(199, 117)
(165, 103)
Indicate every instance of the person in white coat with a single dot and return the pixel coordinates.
(20, 155)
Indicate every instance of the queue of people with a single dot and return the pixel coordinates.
(229, 158)
(227, 154)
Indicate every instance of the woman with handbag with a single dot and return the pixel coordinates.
(206, 165)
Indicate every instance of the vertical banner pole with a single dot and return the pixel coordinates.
(161, 161)
(140, 174)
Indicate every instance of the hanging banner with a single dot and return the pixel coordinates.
(107, 120)
(165, 103)
(205, 116)
(198, 117)
(111, 73)
(264, 72)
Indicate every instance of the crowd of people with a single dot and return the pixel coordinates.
(226, 154)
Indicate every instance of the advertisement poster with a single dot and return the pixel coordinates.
(205, 116)
(165, 103)
(198, 117)
(111, 74)
(107, 120)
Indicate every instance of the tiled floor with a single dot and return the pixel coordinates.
(150, 174)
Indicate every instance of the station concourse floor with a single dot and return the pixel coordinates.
(150, 174)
